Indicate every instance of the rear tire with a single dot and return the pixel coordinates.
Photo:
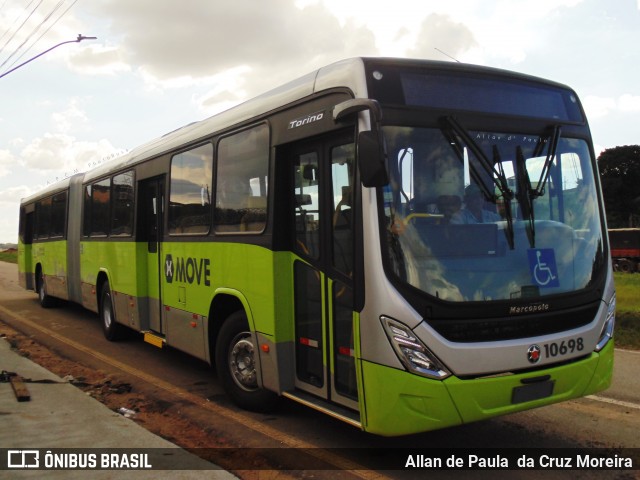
(236, 356)
(46, 301)
(112, 330)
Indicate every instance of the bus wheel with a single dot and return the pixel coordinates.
(45, 300)
(111, 329)
(235, 358)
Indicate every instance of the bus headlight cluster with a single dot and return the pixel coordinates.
(413, 354)
(609, 325)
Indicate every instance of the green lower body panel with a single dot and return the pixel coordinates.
(400, 403)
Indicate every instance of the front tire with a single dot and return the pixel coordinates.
(112, 330)
(236, 356)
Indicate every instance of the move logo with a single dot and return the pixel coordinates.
(187, 270)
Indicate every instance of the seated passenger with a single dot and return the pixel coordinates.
(448, 205)
(474, 211)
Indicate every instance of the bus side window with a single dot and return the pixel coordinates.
(242, 181)
(58, 215)
(122, 208)
(100, 200)
(190, 194)
(43, 218)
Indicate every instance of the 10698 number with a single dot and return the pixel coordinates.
(563, 348)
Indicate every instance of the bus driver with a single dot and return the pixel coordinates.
(474, 211)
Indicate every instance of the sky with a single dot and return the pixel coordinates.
(159, 64)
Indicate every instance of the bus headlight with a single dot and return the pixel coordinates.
(609, 324)
(412, 352)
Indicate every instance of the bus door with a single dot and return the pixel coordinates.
(150, 220)
(321, 199)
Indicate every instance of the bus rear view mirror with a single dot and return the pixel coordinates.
(371, 152)
(371, 160)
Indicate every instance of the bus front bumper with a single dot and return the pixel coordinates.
(399, 403)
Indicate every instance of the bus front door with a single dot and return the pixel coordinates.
(150, 218)
(323, 266)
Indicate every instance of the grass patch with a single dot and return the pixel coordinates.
(9, 257)
(627, 333)
(627, 292)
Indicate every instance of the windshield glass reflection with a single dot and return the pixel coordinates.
(490, 216)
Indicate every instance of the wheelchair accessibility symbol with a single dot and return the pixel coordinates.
(542, 265)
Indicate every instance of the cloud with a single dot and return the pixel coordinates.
(6, 160)
(98, 60)
(167, 40)
(71, 119)
(12, 195)
(63, 154)
(440, 31)
(597, 107)
(629, 103)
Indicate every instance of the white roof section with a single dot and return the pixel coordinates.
(59, 186)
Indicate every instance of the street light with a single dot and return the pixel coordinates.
(79, 39)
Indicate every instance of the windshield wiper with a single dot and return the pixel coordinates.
(546, 168)
(496, 173)
(524, 196)
(506, 198)
(525, 193)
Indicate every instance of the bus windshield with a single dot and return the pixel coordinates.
(486, 216)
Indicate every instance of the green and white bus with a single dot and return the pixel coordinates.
(403, 245)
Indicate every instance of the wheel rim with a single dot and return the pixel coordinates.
(242, 362)
(41, 291)
(107, 317)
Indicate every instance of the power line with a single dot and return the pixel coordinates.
(20, 50)
(14, 20)
(33, 32)
(48, 28)
(19, 28)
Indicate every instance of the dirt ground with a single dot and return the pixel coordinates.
(158, 416)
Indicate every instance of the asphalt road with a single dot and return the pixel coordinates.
(609, 420)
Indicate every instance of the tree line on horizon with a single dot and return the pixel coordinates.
(620, 177)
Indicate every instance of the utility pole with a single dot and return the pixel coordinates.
(77, 40)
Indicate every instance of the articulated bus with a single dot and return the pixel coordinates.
(403, 245)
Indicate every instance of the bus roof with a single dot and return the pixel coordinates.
(59, 186)
(347, 73)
